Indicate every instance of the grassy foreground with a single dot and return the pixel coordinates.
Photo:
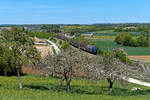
(109, 45)
(45, 88)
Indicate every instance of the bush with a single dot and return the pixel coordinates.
(126, 40)
(134, 43)
(64, 45)
(119, 39)
(100, 51)
(142, 41)
(122, 55)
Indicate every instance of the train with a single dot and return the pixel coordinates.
(85, 47)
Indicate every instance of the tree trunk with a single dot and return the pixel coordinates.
(110, 85)
(68, 85)
(61, 82)
(19, 77)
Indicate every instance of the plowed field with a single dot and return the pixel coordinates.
(142, 58)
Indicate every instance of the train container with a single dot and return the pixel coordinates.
(88, 48)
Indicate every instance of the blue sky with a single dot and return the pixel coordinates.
(73, 11)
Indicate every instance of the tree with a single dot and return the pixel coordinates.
(22, 49)
(126, 39)
(120, 38)
(144, 32)
(7, 65)
(63, 64)
(142, 41)
(112, 69)
(106, 66)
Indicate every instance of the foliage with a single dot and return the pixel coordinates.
(7, 61)
(107, 66)
(64, 64)
(142, 41)
(21, 46)
(65, 45)
(121, 55)
(120, 38)
(128, 40)
(100, 51)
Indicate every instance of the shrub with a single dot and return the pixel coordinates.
(128, 40)
(142, 41)
(133, 42)
(119, 39)
(122, 55)
(65, 45)
(100, 51)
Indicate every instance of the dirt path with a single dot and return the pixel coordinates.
(45, 50)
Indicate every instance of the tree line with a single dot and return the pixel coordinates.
(127, 39)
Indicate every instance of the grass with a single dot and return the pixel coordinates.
(109, 45)
(45, 88)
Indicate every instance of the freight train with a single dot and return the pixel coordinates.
(88, 48)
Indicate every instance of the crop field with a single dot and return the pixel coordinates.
(44, 50)
(103, 37)
(45, 88)
(109, 45)
(140, 58)
(106, 33)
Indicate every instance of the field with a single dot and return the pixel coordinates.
(45, 88)
(106, 33)
(141, 58)
(44, 50)
(109, 45)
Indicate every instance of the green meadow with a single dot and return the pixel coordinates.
(46, 88)
(110, 44)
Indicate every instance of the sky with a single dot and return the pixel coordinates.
(74, 11)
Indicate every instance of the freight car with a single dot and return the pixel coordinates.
(88, 48)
